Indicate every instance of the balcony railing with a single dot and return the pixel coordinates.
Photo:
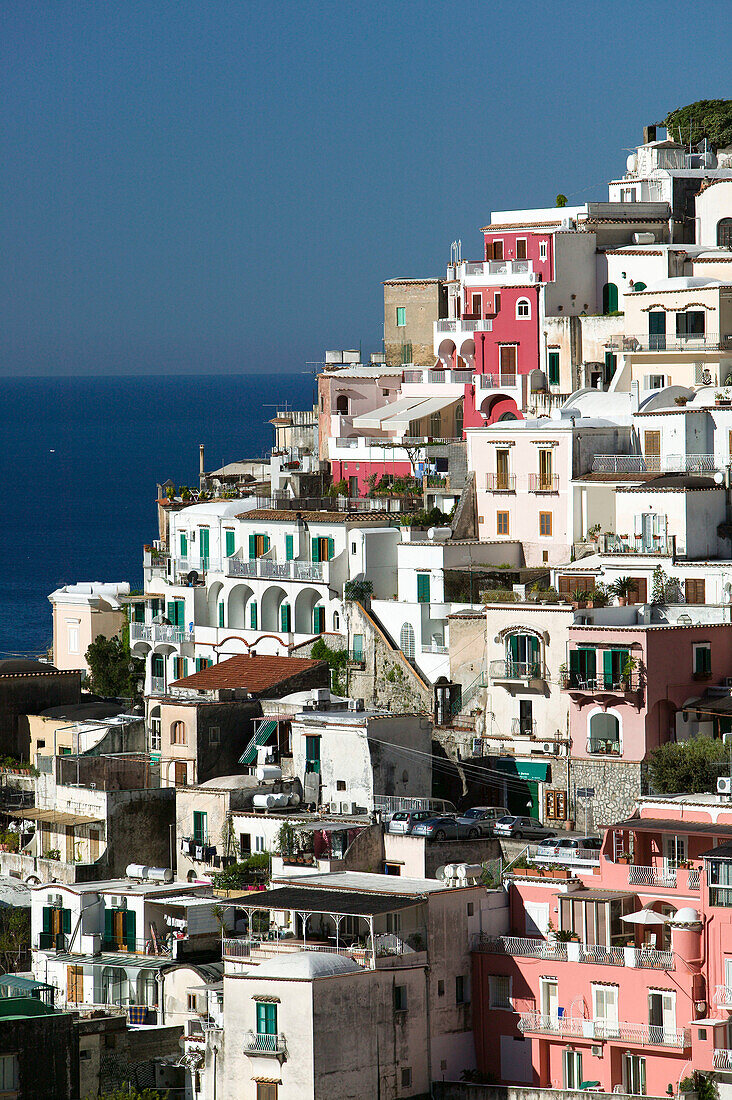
(646, 958)
(143, 632)
(135, 946)
(432, 647)
(516, 670)
(540, 484)
(722, 1059)
(523, 727)
(643, 1034)
(266, 569)
(501, 483)
(258, 1043)
(616, 685)
(664, 545)
(481, 324)
(655, 464)
(348, 441)
(651, 876)
(723, 996)
(644, 341)
(501, 381)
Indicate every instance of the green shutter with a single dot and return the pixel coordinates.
(108, 926)
(574, 667)
(230, 543)
(200, 827)
(252, 547)
(358, 647)
(130, 930)
(331, 549)
(318, 620)
(47, 918)
(285, 618)
(289, 547)
(138, 613)
(253, 615)
(553, 368)
(266, 543)
(315, 550)
(221, 614)
(183, 545)
(171, 611)
(607, 668)
(158, 665)
(203, 544)
(66, 920)
(266, 1018)
(609, 298)
(423, 588)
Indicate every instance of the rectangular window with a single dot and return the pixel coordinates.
(461, 990)
(440, 987)
(253, 615)
(503, 468)
(400, 998)
(611, 362)
(155, 734)
(312, 754)
(497, 302)
(177, 612)
(703, 660)
(406, 1077)
(401, 315)
(498, 250)
(521, 248)
(507, 363)
(694, 590)
(423, 588)
(477, 307)
(230, 543)
(542, 250)
(289, 547)
(546, 469)
(183, 544)
(73, 631)
(200, 827)
(358, 647)
(266, 1090)
(266, 1018)
(605, 1009)
(180, 667)
(545, 523)
(318, 620)
(203, 662)
(499, 991)
(9, 1073)
(553, 364)
(501, 523)
(572, 1069)
(690, 324)
(214, 735)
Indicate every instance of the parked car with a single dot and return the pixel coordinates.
(521, 828)
(548, 847)
(445, 828)
(404, 821)
(482, 817)
(577, 847)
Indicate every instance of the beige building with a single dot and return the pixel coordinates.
(81, 613)
(98, 726)
(411, 306)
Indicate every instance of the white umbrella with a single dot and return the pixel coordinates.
(644, 916)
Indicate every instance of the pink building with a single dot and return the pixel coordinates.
(617, 973)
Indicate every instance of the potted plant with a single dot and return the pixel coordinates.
(681, 400)
(622, 589)
(624, 858)
(579, 597)
(629, 667)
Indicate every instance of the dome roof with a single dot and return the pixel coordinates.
(682, 282)
(686, 915)
(306, 964)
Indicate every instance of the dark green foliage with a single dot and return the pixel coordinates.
(336, 659)
(238, 875)
(358, 590)
(708, 118)
(433, 518)
(115, 673)
(688, 767)
(561, 200)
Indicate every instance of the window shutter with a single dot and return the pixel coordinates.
(171, 611)
(285, 618)
(47, 919)
(265, 540)
(252, 546)
(253, 615)
(230, 543)
(574, 665)
(315, 550)
(423, 588)
(289, 547)
(108, 925)
(607, 667)
(221, 614)
(331, 549)
(65, 920)
(130, 921)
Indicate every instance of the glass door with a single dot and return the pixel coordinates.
(635, 1074)
(657, 330)
(549, 990)
(572, 1069)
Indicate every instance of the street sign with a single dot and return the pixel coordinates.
(585, 792)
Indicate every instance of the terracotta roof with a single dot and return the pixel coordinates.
(255, 674)
(526, 225)
(602, 475)
(316, 517)
(632, 252)
(429, 279)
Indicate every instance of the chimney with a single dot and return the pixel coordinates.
(201, 466)
(649, 134)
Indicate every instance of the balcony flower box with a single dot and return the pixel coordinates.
(624, 859)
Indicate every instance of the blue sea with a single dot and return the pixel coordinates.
(80, 459)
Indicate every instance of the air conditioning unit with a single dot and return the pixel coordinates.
(355, 704)
(345, 807)
(548, 746)
(724, 784)
(596, 1051)
(117, 901)
(56, 900)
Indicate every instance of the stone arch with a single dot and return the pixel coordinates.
(304, 604)
(214, 595)
(269, 608)
(236, 617)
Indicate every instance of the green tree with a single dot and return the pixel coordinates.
(337, 661)
(238, 875)
(130, 1093)
(561, 200)
(115, 673)
(14, 938)
(688, 767)
(706, 118)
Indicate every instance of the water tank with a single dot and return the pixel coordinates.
(644, 238)
(632, 163)
(268, 772)
(137, 870)
(263, 801)
(160, 874)
(280, 799)
(439, 534)
(293, 799)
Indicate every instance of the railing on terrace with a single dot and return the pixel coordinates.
(436, 376)
(572, 681)
(644, 1034)
(644, 341)
(723, 996)
(501, 483)
(651, 876)
(722, 1059)
(135, 946)
(265, 568)
(655, 464)
(522, 727)
(516, 670)
(256, 1042)
(348, 441)
(502, 381)
(142, 632)
(481, 324)
(539, 484)
(664, 545)
(432, 647)
(256, 950)
(646, 958)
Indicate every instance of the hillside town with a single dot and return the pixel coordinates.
(430, 703)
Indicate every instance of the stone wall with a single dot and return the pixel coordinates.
(385, 680)
(24, 693)
(424, 302)
(617, 787)
(460, 1090)
(47, 1049)
(138, 829)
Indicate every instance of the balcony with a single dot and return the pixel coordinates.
(501, 483)
(691, 342)
(267, 569)
(259, 1043)
(723, 996)
(541, 484)
(658, 545)
(502, 380)
(498, 272)
(523, 727)
(603, 1030)
(462, 325)
(722, 1059)
(516, 670)
(645, 958)
(144, 632)
(655, 464)
(598, 685)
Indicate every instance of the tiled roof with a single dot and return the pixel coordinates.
(429, 279)
(525, 225)
(316, 517)
(254, 673)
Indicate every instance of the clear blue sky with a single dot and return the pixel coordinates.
(221, 186)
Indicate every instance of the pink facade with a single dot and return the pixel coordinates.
(538, 248)
(578, 994)
(362, 471)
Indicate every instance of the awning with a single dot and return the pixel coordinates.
(672, 825)
(53, 817)
(375, 418)
(260, 738)
(536, 770)
(710, 705)
(418, 412)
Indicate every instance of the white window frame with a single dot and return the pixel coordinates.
(543, 250)
(494, 999)
(609, 1020)
(520, 302)
(9, 1073)
(73, 635)
(156, 734)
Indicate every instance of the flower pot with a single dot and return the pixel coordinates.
(622, 601)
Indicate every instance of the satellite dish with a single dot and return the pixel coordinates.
(193, 577)
(719, 477)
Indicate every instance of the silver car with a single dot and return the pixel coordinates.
(520, 828)
(404, 821)
(482, 818)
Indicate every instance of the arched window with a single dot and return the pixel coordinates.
(459, 420)
(523, 309)
(507, 416)
(406, 641)
(604, 734)
(522, 656)
(436, 425)
(178, 733)
(639, 286)
(609, 298)
(336, 621)
(342, 405)
(724, 233)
